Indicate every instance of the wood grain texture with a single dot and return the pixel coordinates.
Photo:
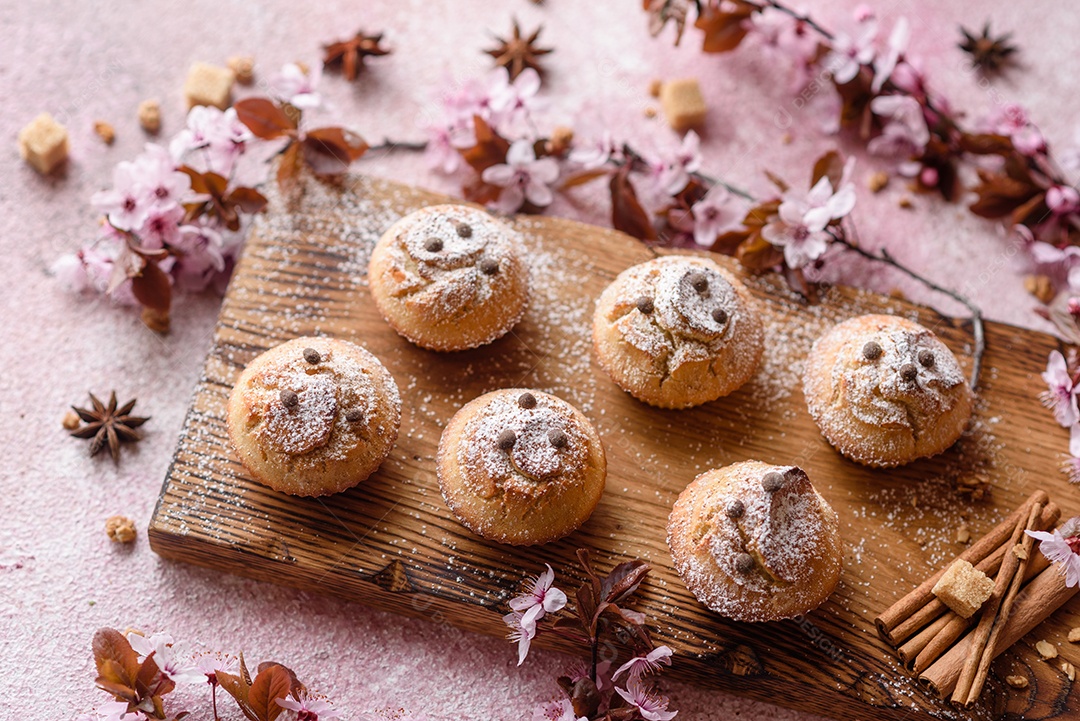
(393, 544)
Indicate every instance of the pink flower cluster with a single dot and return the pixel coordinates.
(1062, 389)
(507, 107)
(145, 213)
(1062, 546)
(801, 229)
(543, 598)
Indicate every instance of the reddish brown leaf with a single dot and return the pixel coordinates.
(289, 167)
(296, 686)
(478, 191)
(985, 143)
(272, 683)
(728, 242)
(116, 661)
(758, 255)
(149, 680)
(724, 24)
(583, 177)
(248, 200)
(831, 166)
(152, 288)
(1000, 195)
(237, 687)
(627, 214)
(263, 118)
(330, 151)
(623, 581)
(1032, 212)
(761, 214)
(490, 148)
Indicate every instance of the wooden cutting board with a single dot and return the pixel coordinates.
(393, 544)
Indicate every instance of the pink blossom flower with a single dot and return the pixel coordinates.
(161, 228)
(446, 139)
(126, 203)
(561, 710)
(1062, 199)
(211, 663)
(158, 177)
(161, 645)
(905, 135)
(651, 705)
(885, 63)
(522, 177)
(716, 213)
(519, 633)
(850, 52)
(219, 135)
(200, 258)
(541, 599)
(1013, 120)
(671, 172)
(1061, 392)
(297, 86)
(597, 154)
(649, 663)
(788, 37)
(512, 103)
(800, 230)
(1063, 548)
(309, 708)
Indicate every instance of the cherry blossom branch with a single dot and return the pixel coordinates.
(391, 145)
(796, 15)
(978, 330)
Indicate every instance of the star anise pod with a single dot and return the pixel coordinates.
(350, 54)
(519, 52)
(108, 424)
(988, 53)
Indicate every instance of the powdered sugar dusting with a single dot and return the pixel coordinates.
(533, 460)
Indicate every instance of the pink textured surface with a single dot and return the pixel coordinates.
(60, 578)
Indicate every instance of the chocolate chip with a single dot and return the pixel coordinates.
(926, 358)
(735, 509)
(312, 356)
(644, 304)
(433, 245)
(744, 563)
(354, 416)
(289, 399)
(772, 482)
(699, 282)
(909, 372)
(489, 266)
(507, 439)
(872, 350)
(527, 400)
(719, 315)
(464, 230)
(557, 438)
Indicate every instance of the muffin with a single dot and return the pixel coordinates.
(314, 416)
(677, 331)
(449, 277)
(885, 391)
(756, 542)
(521, 467)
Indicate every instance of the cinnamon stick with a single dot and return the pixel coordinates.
(952, 626)
(1025, 545)
(1045, 594)
(915, 618)
(990, 615)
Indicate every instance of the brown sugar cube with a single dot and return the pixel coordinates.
(120, 529)
(44, 143)
(684, 106)
(150, 116)
(243, 68)
(964, 588)
(208, 85)
(1074, 635)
